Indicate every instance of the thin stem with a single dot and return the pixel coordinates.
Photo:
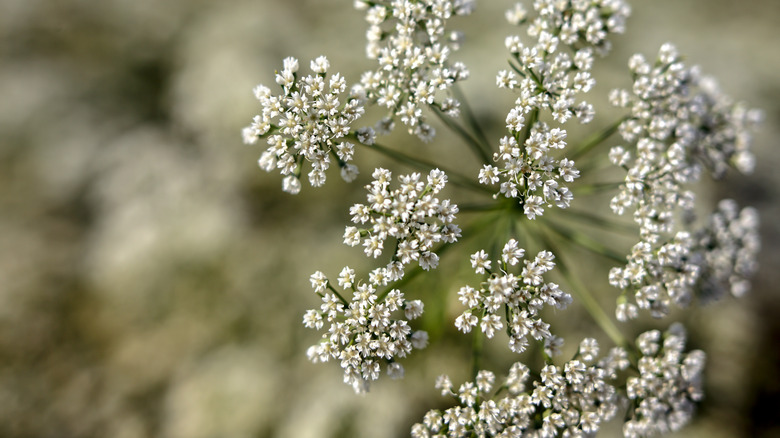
(455, 177)
(475, 145)
(476, 351)
(599, 221)
(529, 236)
(467, 208)
(501, 234)
(332, 289)
(469, 231)
(533, 117)
(596, 139)
(471, 119)
(585, 241)
(588, 301)
(588, 189)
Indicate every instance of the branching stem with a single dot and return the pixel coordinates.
(453, 176)
(596, 139)
(588, 301)
(475, 144)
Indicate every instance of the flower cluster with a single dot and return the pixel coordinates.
(668, 385)
(305, 123)
(573, 400)
(522, 297)
(574, 23)
(409, 40)
(680, 123)
(729, 248)
(718, 257)
(530, 171)
(362, 333)
(549, 79)
(659, 275)
(411, 214)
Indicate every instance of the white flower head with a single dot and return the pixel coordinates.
(304, 125)
(654, 410)
(522, 297)
(573, 400)
(516, 15)
(411, 214)
(320, 65)
(480, 262)
(414, 69)
(363, 334)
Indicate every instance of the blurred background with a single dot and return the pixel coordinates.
(153, 279)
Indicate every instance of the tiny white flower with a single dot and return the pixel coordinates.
(291, 184)
(465, 322)
(413, 309)
(516, 15)
(420, 339)
(480, 262)
(395, 371)
(320, 65)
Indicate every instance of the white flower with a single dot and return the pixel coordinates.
(413, 309)
(552, 79)
(346, 278)
(304, 124)
(516, 15)
(626, 312)
(490, 324)
(291, 184)
(511, 254)
(420, 339)
(444, 384)
(552, 345)
(290, 65)
(465, 322)
(589, 349)
(362, 334)
(709, 262)
(680, 124)
(488, 174)
(349, 172)
(480, 262)
(669, 383)
(320, 65)
(412, 60)
(533, 207)
(505, 292)
(319, 281)
(411, 214)
(395, 370)
(574, 402)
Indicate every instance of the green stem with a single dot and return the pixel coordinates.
(336, 157)
(588, 301)
(532, 119)
(588, 189)
(332, 289)
(455, 177)
(476, 352)
(599, 221)
(585, 241)
(596, 139)
(469, 231)
(471, 119)
(475, 145)
(465, 208)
